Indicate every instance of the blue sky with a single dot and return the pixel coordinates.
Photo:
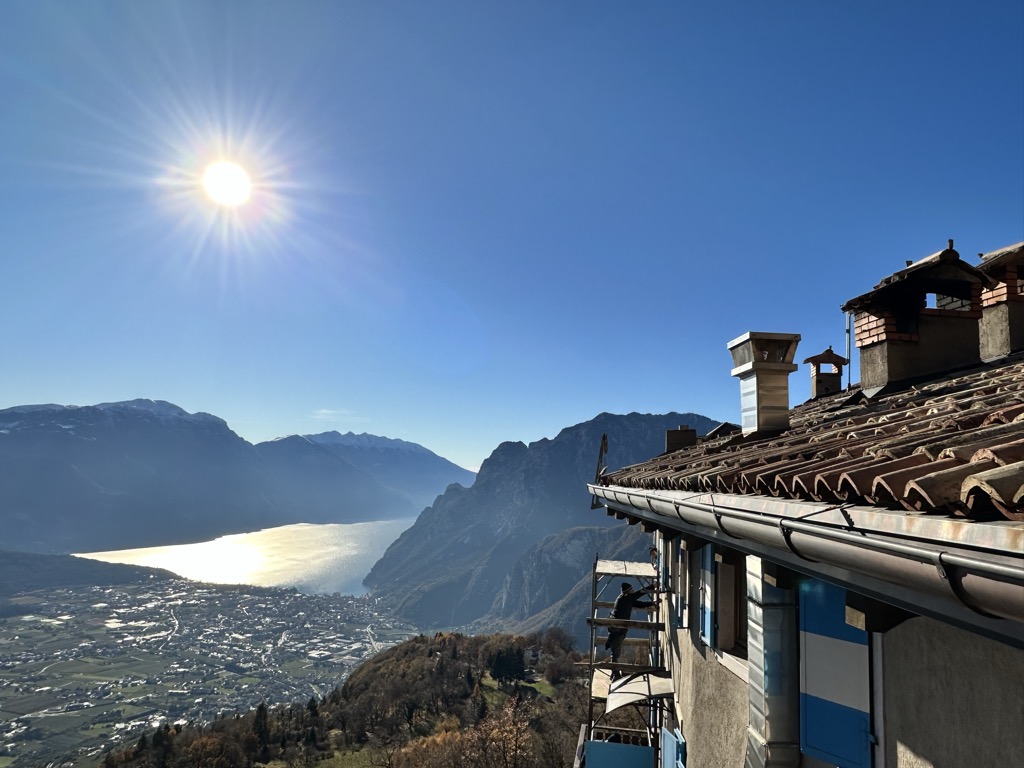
(473, 221)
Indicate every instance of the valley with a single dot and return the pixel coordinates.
(82, 670)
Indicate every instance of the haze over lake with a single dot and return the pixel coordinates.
(317, 559)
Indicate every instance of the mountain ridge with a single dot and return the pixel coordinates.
(145, 472)
(450, 566)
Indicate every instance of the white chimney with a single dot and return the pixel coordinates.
(762, 362)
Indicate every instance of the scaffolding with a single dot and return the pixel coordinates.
(638, 679)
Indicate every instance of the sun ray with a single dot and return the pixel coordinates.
(153, 129)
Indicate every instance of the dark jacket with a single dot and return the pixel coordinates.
(627, 601)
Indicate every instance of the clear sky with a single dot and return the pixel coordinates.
(478, 221)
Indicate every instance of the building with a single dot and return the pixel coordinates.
(843, 582)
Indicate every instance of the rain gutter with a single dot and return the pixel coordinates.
(977, 565)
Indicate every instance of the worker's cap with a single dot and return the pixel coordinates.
(627, 587)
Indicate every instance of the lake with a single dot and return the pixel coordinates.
(316, 559)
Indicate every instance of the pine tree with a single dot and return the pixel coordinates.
(261, 725)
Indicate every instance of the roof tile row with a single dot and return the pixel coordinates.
(951, 446)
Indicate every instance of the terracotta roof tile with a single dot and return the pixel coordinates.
(1002, 486)
(953, 445)
(940, 488)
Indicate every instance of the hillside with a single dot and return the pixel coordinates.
(430, 702)
(24, 572)
(550, 585)
(146, 473)
(414, 471)
(311, 482)
(465, 550)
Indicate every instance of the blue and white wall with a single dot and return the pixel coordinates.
(835, 680)
(924, 694)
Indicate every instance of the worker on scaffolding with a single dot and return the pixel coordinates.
(623, 609)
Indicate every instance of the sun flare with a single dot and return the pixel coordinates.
(227, 183)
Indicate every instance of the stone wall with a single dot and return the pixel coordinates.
(714, 703)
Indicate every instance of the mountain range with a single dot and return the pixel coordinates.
(146, 473)
(523, 535)
(510, 548)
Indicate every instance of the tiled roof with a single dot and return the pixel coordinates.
(1007, 255)
(944, 268)
(954, 445)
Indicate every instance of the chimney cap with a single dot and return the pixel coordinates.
(940, 270)
(1003, 256)
(828, 357)
(760, 350)
(763, 362)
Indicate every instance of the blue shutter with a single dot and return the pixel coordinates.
(673, 749)
(707, 595)
(835, 680)
(668, 749)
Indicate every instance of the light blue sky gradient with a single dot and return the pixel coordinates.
(478, 221)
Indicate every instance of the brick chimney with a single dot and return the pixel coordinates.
(826, 382)
(684, 437)
(762, 362)
(901, 337)
(1002, 318)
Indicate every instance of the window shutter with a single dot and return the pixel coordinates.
(680, 585)
(707, 595)
(673, 749)
(835, 680)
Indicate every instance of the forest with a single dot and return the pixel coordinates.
(450, 700)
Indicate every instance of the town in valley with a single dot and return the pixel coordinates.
(85, 670)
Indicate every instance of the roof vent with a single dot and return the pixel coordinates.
(826, 382)
(762, 362)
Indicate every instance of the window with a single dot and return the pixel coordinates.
(723, 600)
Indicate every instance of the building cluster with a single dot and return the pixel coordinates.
(841, 583)
(88, 666)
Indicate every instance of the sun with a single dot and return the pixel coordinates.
(227, 183)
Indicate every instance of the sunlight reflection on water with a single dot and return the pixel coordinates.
(312, 558)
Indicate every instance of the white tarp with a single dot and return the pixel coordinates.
(637, 688)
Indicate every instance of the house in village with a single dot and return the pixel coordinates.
(840, 584)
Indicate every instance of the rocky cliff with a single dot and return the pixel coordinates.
(463, 559)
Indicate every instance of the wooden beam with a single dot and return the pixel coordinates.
(872, 615)
(692, 543)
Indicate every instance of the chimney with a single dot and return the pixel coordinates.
(826, 382)
(762, 362)
(920, 321)
(1002, 318)
(676, 439)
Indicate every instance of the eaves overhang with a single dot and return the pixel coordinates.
(965, 572)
